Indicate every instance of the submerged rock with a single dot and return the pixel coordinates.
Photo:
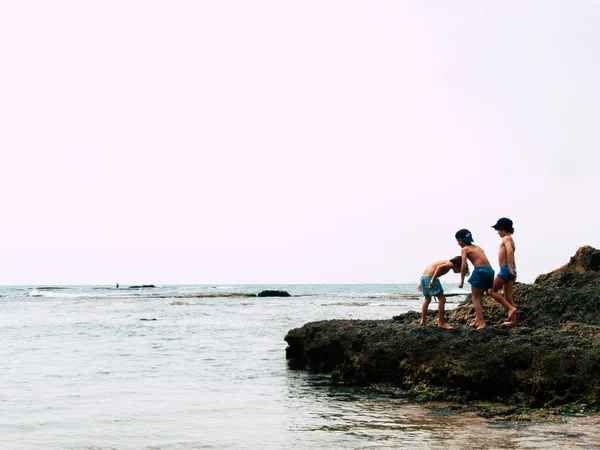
(551, 358)
(271, 293)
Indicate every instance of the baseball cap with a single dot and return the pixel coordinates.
(503, 222)
(464, 235)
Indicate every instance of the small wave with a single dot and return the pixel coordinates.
(179, 303)
(201, 295)
(370, 295)
(46, 291)
(347, 304)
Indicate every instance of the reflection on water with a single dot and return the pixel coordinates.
(346, 418)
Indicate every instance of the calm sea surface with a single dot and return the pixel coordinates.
(187, 367)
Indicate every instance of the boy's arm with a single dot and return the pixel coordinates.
(463, 267)
(510, 253)
(439, 271)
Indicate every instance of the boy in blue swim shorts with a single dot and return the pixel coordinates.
(482, 278)
(431, 287)
(508, 269)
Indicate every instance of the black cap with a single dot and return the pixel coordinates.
(503, 222)
(464, 235)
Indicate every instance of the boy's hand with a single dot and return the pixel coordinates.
(512, 272)
(431, 284)
(420, 288)
(460, 285)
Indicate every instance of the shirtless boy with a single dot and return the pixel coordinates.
(482, 278)
(508, 270)
(431, 287)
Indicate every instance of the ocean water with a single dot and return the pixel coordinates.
(196, 367)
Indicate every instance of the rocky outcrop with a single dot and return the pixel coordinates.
(581, 270)
(551, 358)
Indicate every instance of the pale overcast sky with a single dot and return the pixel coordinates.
(329, 141)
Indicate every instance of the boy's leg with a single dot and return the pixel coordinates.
(509, 306)
(508, 294)
(424, 309)
(476, 296)
(442, 312)
(494, 290)
(508, 291)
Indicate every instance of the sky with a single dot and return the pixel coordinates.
(271, 141)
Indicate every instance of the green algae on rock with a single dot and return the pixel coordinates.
(551, 358)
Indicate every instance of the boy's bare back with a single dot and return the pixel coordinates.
(444, 265)
(475, 254)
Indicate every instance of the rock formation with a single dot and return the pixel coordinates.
(551, 358)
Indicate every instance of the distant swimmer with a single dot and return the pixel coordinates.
(117, 285)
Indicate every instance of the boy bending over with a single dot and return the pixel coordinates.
(431, 287)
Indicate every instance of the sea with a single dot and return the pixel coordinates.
(204, 367)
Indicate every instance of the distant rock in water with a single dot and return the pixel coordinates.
(269, 293)
(142, 286)
(551, 358)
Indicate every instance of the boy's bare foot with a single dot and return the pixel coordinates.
(512, 318)
(445, 325)
(422, 324)
(474, 323)
(481, 327)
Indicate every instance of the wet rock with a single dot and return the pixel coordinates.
(551, 358)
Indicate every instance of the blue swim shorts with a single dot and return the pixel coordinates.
(482, 277)
(435, 290)
(505, 273)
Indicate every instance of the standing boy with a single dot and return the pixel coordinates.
(482, 278)
(508, 270)
(431, 286)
